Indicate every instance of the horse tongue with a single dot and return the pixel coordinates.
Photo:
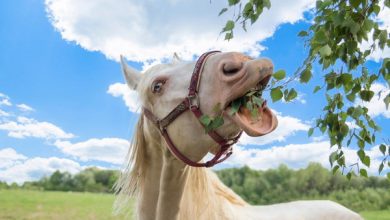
(265, 122)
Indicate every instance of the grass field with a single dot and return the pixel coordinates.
(23, 204)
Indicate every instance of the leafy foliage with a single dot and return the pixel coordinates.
(339, 28)
(314, 182)
(90, 180)
(252, 101)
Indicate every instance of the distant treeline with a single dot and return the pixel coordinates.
(314, 182)
(88, 180)
(256, 187)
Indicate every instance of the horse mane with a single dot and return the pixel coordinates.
(213, 199)
(130, 182)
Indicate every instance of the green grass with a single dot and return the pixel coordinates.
(376, 215)
(24, 204)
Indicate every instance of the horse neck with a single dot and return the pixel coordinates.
(206, 197)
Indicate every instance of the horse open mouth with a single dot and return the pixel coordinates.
(254, 118)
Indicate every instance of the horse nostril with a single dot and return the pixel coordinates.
(231, 68)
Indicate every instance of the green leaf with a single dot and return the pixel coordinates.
(333, 157)
(357, 112)
(355, 3)
(325, 51)
(386, 100)
(360, 144)
(279, 75)
(361, 154)
(387, 3)
(382, 39)
(377, 9)
(310, 132)
(229, 36)
(316, 89)
(382, 148)
(366, 161)
(228, 26)
(292, 94)
(335, 168)
(368, 25)
(351, 97)
(248, 10)
(236, 104)
(216, 123)
(366, 95)
(222, 11)
(267, 4)
(344, 129)
(276, 94)
(303, 34)
(257, 101)
(233, 2)
(363, 172)
(320, 36)
(205, 120)
(381, 166)
(305, 76)
(353, 26)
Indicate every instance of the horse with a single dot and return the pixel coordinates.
(164, 168)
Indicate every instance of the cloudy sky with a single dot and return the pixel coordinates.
(64, 105)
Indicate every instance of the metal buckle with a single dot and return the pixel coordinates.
(193, 100)
(230, 142)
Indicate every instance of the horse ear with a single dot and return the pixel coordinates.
(176, 58)
(132, 76)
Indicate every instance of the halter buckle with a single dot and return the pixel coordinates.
(193, 100)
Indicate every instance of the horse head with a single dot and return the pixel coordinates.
(224, 77)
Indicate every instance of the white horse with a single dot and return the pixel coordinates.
(166, 188)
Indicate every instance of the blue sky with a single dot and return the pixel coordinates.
(64, 105)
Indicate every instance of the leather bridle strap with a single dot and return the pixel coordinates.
(191, 102)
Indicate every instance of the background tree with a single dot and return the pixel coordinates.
(334, 42)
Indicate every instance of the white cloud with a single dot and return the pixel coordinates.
(296, 156)
(376, 106)
(9, 157)
(3, 113)
(5, 101)
(36, 168)
(28, 127)
(287, 126)
(130, 97)
(111, 150)
(25, 108)
(149, 30)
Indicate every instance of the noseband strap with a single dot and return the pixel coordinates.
(191, 102)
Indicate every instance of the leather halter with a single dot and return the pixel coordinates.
(191, 102)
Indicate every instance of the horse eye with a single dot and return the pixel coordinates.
(157, 86)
